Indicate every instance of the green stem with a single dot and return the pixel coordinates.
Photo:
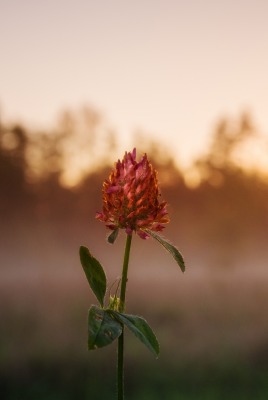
(120, 367)
(120, 354)
(124, 274)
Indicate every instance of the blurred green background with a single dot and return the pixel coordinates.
(211, 322)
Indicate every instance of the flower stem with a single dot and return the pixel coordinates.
(120, 353)
(124, 274)
(120, 367)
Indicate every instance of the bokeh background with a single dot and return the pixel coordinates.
(185, 82)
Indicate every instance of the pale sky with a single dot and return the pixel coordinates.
(169, 67)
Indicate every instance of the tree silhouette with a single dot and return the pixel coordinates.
(13, 166)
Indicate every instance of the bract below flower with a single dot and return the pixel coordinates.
(131, 198)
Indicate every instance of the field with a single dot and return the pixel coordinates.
(211, 321)
(212, 327)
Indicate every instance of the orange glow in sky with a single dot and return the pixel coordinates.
(169, 67)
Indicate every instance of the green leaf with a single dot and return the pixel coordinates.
(103, 329)
(94, 273)
(169, 247)
(141, 330)
(112, 237)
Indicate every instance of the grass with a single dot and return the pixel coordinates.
(212, 330)
(73, 379)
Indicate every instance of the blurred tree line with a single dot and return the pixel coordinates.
(217, 206)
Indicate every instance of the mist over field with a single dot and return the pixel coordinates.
(211, 321)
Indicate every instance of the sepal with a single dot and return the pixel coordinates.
(113, 236)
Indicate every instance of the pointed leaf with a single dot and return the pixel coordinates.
(169, 247)
(94, 273)
(113, 236)
(103, 329)
(141, 330)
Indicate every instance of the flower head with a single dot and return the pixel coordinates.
(131, 198)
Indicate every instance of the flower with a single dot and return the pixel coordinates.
(131, 198)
